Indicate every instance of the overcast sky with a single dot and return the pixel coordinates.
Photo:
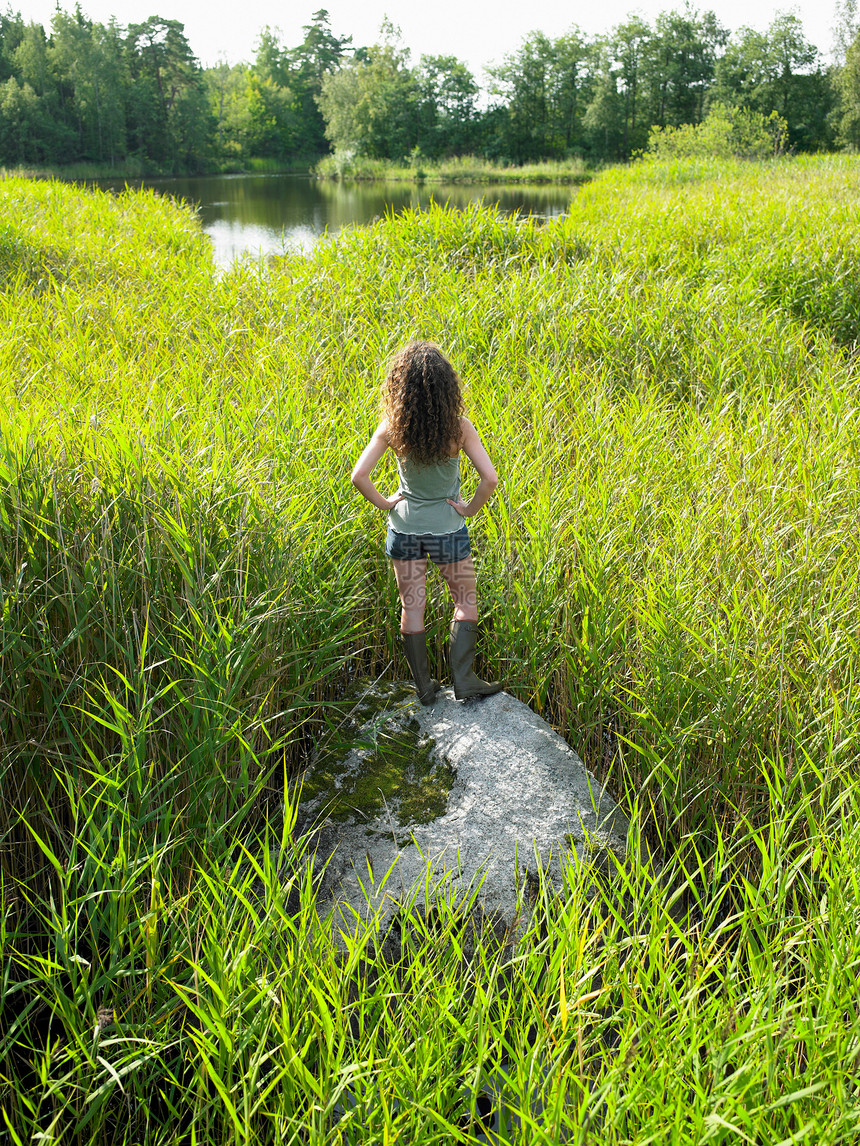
(475, 31)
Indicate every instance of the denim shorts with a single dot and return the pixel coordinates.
(441, 548)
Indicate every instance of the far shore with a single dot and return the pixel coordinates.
(133, 170)
(460, 169)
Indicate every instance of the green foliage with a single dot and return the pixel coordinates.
(544, 88)
(90, 59)
(778, 71)
(574, 96)
(848, 87)
(20, 123)
(371, 106)
(725, 133)
(666, 380)
(92, 93)
(345, 164)
(319, 54)
(284, 89)
(229, 100)
(680, 65)
(272, 121)
(448, 113)
(170, 118)
(603, 116)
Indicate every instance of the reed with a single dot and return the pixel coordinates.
(666, 380)
(457, 169)
(130, 168)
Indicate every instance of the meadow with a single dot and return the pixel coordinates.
(667, 382)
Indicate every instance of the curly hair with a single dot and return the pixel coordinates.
(422, 402)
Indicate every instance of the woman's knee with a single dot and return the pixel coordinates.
(462, 585)
(411, 585)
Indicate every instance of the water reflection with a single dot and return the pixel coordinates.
(266, 214)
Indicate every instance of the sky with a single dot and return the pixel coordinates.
(473, 30)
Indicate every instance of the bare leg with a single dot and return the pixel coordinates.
(462, 584)
(412, 584)
(411, 577)
(460, 579)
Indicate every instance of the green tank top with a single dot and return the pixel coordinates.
(425, 489)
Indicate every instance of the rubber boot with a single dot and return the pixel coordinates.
(415, 647)
(464, 637)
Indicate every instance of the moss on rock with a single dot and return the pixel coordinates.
(379, 768)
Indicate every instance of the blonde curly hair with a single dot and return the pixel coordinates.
(422, 402)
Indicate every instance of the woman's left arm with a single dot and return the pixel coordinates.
(474, 450)
(363, 468)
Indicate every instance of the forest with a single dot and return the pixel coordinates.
(137, 97)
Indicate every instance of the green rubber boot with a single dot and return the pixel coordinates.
(464, 637)
(415, 647)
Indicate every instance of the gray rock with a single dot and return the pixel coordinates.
(406, 799)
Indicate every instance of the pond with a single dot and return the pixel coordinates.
(270, 214)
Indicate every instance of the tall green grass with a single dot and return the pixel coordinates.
(129, 168)
(456, 169)
(666, 380)
(701, 1005)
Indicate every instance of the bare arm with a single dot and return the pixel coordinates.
(474, 450)
(363, 468)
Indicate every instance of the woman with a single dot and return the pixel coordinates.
(423, 424)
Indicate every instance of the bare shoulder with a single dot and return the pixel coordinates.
(468, 434)
(380, 434)
(473, 448)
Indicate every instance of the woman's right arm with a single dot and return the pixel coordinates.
(473, 448)
(363, 468)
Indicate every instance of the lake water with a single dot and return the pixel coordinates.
(270, 214)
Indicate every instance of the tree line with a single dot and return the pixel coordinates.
(105, 94)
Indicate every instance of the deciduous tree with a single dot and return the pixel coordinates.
(371, 105)
(777, 70)
(630, 45)
(681, 60)
(448, 113)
